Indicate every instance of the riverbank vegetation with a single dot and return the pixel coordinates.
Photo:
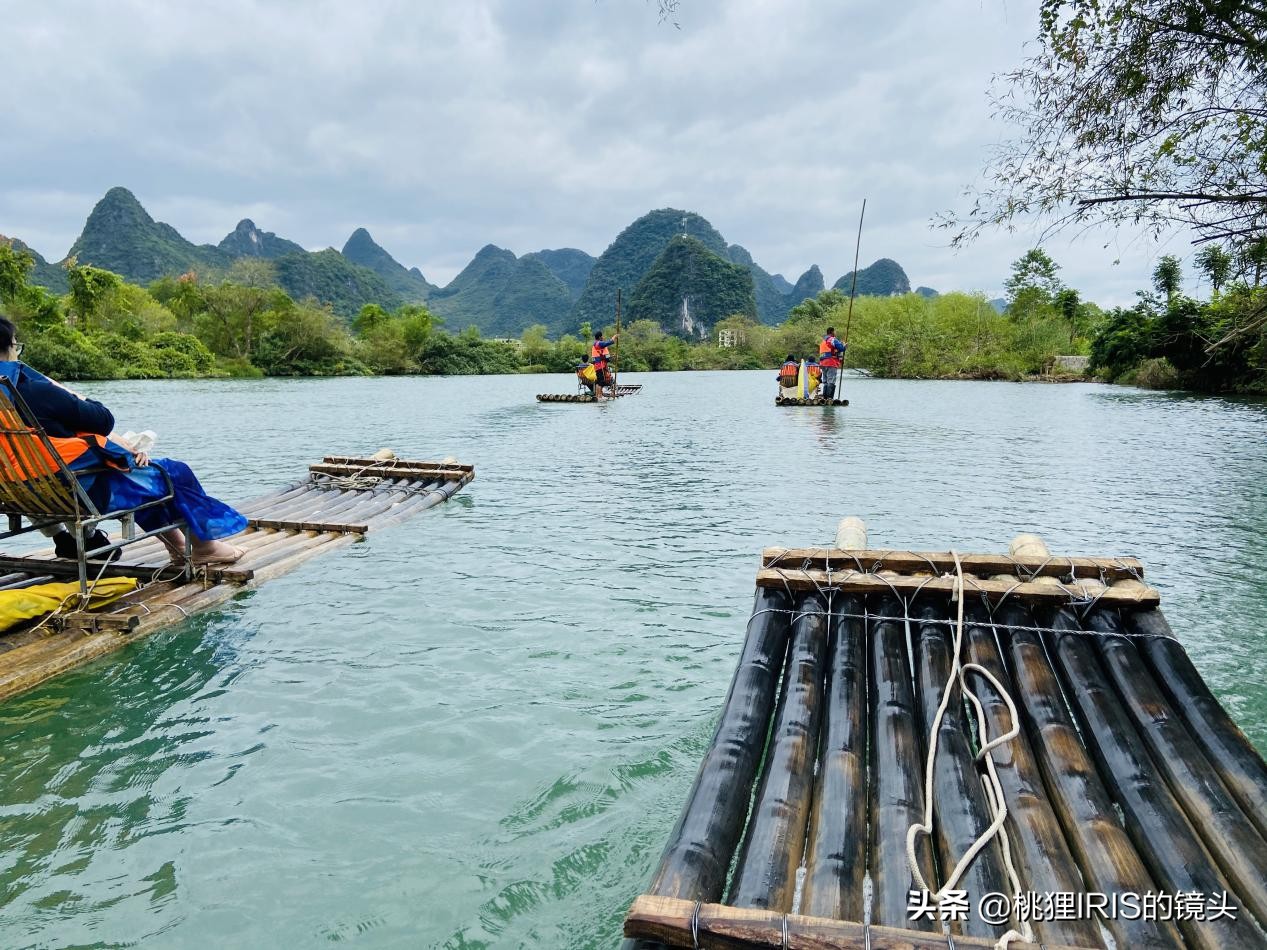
(243, 324)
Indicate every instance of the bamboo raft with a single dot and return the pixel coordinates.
(621, 390)
(1127, 775)
(340, 501)
(816, 401)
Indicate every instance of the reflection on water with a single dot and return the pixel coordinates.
(477, 729)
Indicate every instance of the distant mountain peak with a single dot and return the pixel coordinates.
(247, 240)
(362, 249)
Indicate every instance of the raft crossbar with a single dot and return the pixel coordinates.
(793, 401)
(939, 562)
(720, 927)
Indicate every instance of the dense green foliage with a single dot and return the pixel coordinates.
(1168, 340)
(881, 279)
(532, 294)
(689, 288)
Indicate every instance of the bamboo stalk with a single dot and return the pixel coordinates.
(1231, 754)
(961, 811)
(1233, 840)
(897, 756)
(765, 874)
(701, 845)
(1039, 851)
(1173, 851)
(836, 860)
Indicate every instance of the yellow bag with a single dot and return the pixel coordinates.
(31, 602)
(589, 374)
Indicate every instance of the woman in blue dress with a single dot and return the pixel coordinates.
(131, 478)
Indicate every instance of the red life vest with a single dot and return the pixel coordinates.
(601, 354)
(788, 374)
(827, 356)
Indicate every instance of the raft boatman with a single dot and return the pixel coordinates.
(600, 354)
(831, 354)
(788, 377)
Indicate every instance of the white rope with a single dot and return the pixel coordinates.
(993, 789)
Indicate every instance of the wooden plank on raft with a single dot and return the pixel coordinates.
(1107, 569)
(792, 401)
(429, 473)
(736, 928)
(994, 590)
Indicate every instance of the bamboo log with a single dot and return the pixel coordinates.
(1040, 853)
(1233, 840)
(699, 850)
(1230, 753)
(765, 874)
(897, 758)
(836, 860)
(961, 811)
(1174, 852)
(740, 928)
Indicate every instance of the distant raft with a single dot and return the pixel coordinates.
(621, 390)
(1126, 777)
(812, 401)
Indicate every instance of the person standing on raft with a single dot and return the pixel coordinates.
(831, 354)
(78, 428)
(600, 354)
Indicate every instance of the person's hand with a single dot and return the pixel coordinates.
(142, 459)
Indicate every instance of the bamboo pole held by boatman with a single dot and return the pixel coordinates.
(616, 343)
(853, 289)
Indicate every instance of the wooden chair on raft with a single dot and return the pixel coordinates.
(36, 484)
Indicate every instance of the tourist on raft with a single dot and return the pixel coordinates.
(78, 428)
(789, 374)
(588, 375)
(831, 354)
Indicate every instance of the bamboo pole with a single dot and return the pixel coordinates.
(836, 860)
(962, 814)
(897, 756)
(1174, 852)
(701, 845)
(1232, 839)
(1231, 754)
(1039, 851)
(765, 874)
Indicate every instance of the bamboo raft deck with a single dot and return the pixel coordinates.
(622, 390)
(1127, 775)
(340, 500)
(816, 401)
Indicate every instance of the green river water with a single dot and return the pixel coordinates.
(477, 729)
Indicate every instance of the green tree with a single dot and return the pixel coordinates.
(14, 266)
(89, 287)
(1216, 265)
(1135, 111)
(1168, 277)
(1033, 281)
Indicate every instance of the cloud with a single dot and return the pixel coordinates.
(445, 126)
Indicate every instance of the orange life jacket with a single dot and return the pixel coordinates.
(600, 353)
(827, 352)
(788, 374)
(815, 371)
(70, 450)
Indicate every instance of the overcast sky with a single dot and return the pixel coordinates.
(442, 127)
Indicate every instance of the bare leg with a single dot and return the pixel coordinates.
(174, 540)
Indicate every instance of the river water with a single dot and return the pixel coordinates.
(477, 729)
